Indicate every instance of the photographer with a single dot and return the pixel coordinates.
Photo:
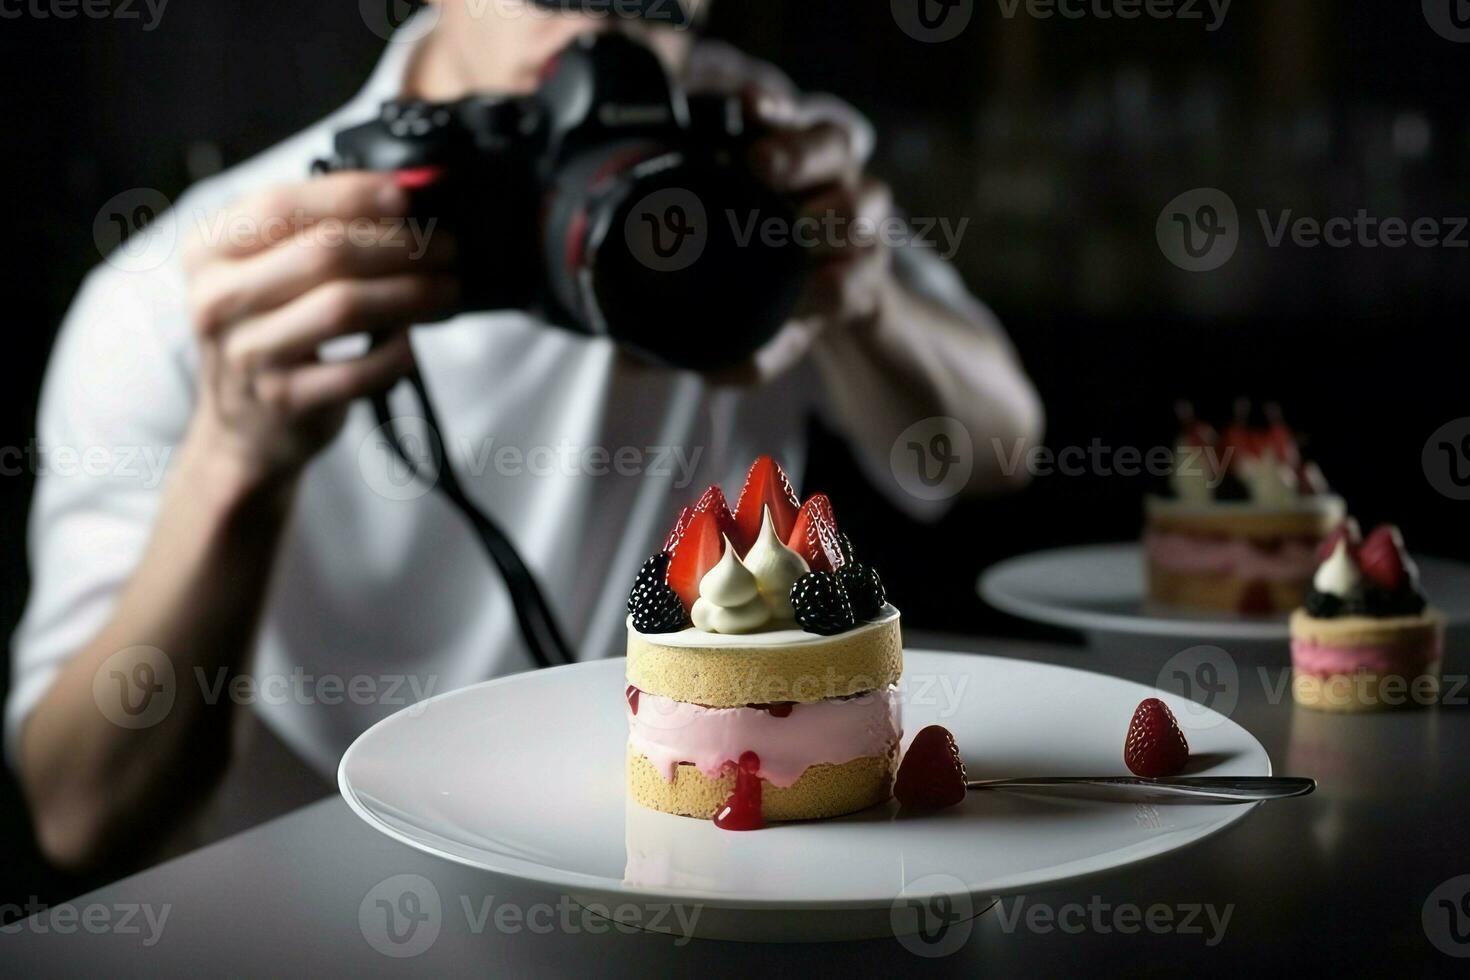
(275, 547)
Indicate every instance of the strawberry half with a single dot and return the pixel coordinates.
(814, 535)
(1240, 439)
(932, 775)
(713, 502)
(1279, 439)
(685, 516)
(1384, 560)
(698, 550)
(766, 486)
(1193, 432)
(1155, 746)
(1348, 531)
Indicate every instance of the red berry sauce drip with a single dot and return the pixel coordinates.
(777, 709)
(742, 811)
(632, 695)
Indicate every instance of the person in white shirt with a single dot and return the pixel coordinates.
(284, 568)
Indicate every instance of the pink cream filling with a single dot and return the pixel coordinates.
(1323, 661)
(1286, 561)
(833, 731)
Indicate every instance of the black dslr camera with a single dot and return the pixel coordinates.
(608, 202)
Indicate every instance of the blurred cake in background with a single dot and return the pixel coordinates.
(1366, 639)
(1242, 521)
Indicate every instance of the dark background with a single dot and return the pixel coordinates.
(1061, 141)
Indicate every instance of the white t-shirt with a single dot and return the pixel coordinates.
(382, 594)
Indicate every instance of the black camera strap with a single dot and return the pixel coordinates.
(538, 626)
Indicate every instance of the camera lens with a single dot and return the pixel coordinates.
(663, 251)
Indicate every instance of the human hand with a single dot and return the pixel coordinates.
(839, 211)
(282, 273)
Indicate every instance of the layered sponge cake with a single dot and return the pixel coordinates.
(1367, 639)
(763, 663)
(1239, 529)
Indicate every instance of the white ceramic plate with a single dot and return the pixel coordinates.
(1100, 590)
(523, 776)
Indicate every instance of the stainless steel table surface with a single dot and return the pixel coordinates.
(1355, 880)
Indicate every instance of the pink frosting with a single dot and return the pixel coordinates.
(833, 731)
(1288, 561)
(1323, 661)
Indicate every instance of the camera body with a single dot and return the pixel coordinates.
(608, 202)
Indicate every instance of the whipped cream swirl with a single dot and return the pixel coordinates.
(1338, 576)
(1268, 481)
(729, 598)
(776, 569)
(1191, 478)
(745, 596)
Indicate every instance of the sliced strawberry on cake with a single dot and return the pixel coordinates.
(1385, 562)
(698, 550)
(766, 487)
(815, 536)
(685, 516)
(713, 502)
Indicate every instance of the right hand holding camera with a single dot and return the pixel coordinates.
(284, 272)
